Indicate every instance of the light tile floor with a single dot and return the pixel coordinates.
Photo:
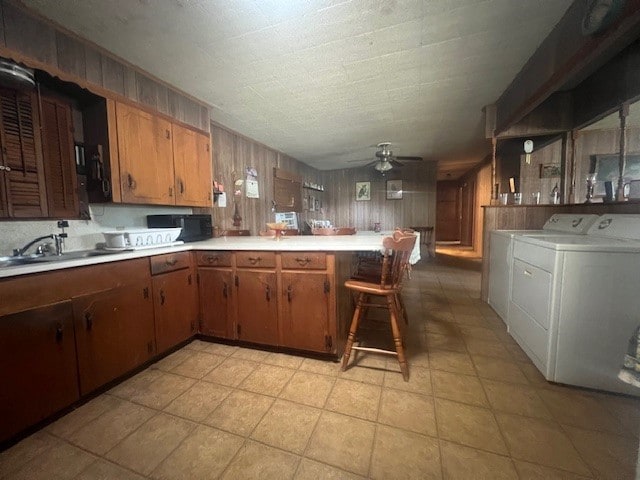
(474, 408)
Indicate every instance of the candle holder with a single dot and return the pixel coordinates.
(591, 183)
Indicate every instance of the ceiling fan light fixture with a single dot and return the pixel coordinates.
(383, 166)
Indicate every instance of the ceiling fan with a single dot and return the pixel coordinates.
(386, 160)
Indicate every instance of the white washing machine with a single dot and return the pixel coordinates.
(501, 254)
(575, 301)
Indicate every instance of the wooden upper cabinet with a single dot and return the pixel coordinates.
(192, 163)
(21, 169)
(145, 156)
(59, 158)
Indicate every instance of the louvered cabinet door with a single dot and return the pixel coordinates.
(59, 158)
(22, 170)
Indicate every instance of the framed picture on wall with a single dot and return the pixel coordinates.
(394, 189)
(363, 191)
(607, 169)
(549, 170)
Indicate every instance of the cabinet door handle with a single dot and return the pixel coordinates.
(162, 297)
(59, 332)
(303, 261)
(225, 293)
(237, 280)
(171, 191)
(181, 183)
(289, 293)
(167, 134)
(254, 260)
(89, 320)
(527, 273)
(212, 259)
(267, 292)
(171, 261)
(131, 182)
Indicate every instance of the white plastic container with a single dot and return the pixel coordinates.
(143, 238)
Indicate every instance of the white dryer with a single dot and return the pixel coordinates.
(575, 301)
(501, 254)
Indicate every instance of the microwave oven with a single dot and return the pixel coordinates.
(194, 226)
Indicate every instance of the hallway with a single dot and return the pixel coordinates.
(475, 408)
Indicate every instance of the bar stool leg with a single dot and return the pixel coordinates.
(401, 309)
(397, 337)
(353, 330)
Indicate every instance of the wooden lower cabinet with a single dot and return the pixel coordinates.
(286, 299)
(256, 306)
(216, 300)
(114, 333)
(306, 311)
(38, 365)
(175, 299)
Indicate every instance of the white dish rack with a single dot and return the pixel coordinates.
(142, 238)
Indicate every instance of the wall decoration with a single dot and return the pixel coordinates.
(363, 191)
(394, 189)
(606, 168)
(549, 170)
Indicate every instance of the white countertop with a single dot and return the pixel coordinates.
(361, 242)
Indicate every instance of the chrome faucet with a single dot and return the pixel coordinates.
(58, 240)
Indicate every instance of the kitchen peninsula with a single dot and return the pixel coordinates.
(80, 325)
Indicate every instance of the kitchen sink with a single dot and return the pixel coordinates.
(75, 255)
(37, 259)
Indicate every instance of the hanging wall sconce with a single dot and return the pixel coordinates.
(528, 148)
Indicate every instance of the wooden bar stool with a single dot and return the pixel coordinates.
(369, 268)
(394, 267)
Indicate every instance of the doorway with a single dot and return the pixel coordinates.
(455, 214)
(448, 211)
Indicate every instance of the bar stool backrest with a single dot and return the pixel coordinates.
(395, 262)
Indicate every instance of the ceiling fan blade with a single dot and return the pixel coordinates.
(410, 159)
(396, 163)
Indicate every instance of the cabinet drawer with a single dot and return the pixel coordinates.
(170, 262)
(214, 259)
(255, 259)
(304, 260)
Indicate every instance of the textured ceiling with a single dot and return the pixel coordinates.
(326, 80)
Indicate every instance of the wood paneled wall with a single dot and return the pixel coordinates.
(39, 43)
(588, 143)
(481, 176)
(416, 208)
(530, 181)
(232, 154)
(596, 142)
